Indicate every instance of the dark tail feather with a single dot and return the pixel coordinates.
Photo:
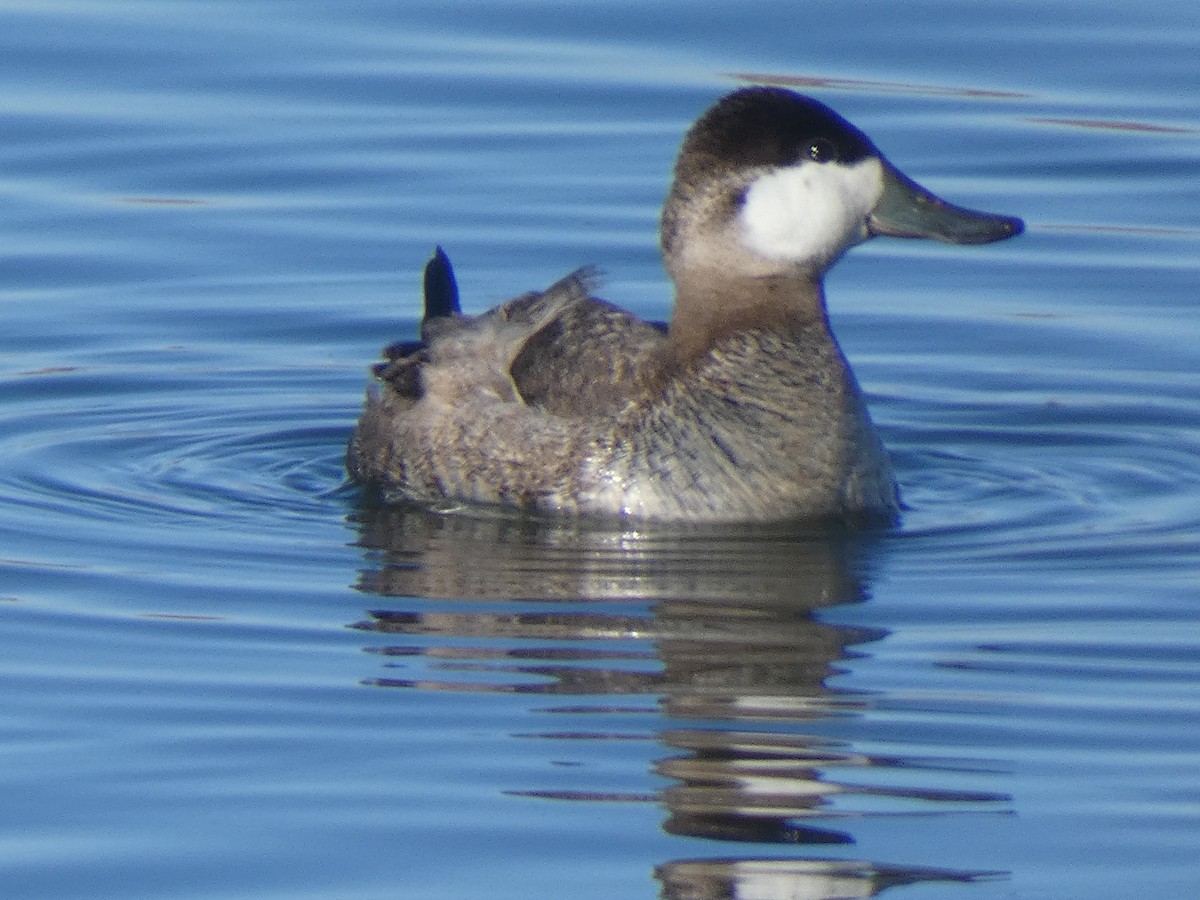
(441, 290)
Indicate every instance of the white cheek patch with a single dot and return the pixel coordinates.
(810, 212)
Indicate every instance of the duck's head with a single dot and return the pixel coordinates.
(771, 184)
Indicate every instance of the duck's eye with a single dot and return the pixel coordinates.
(822, 150)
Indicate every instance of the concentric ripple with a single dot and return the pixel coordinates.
(111, 449)
(1040, 456)
(134, 463)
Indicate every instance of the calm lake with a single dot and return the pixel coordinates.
(224, 674)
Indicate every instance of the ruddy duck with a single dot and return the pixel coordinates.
(743, 408)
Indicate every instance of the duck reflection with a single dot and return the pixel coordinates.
(713, 629)
(791, 879)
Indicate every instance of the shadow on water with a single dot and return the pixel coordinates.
(715, 632)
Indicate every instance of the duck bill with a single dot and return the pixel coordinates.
(908, 210)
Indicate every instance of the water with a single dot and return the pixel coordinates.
(224, 675)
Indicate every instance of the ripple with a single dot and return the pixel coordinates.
(1074, 469)
(87, 450)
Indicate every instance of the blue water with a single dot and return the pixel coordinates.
(224, 674)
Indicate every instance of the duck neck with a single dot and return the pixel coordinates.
(710, 307)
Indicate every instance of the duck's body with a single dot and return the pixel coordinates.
(744, 409)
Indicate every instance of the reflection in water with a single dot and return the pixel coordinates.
(716, 627)
(790, 879)
(912, 89)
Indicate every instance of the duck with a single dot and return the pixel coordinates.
(742, 408)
